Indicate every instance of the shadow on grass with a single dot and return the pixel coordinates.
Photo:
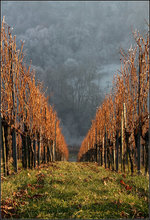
(58, 204)
(98, 209)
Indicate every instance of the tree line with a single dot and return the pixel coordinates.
(30, 126)
(119, 134)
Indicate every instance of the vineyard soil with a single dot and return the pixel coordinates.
(69, 190)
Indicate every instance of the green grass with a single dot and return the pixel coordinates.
(64, 190)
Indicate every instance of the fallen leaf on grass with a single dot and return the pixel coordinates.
(38, 186)
(6, 214)
(40, 179)
(3, 178)
(107, 178)
(5, 207)
(39, 215)
(23, 203)
(36, 196)
(21, 193)
(118, 202)
(14, 193)
(119, 192)
(8, 208)
(127, 187)
(30, 186)
(105, 183)
(40, 175)
(137, 214)
(124, 214)
(122, 182)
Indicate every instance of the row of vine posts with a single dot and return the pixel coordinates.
(119, 134)
(30, 128)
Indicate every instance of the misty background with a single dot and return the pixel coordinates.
(74, 48)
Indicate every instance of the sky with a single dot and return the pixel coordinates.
(73, 39)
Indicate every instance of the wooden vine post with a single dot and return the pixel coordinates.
(34, 148)
(122, 140)
(44, 156)
(29, 150)
(125, 144)
(99, 150)
(39, 148)
(117, 152)
(6, 130)
(105, 149)
(54, 143)
(3, 151)
(103, 144)
(14, 148)
(139, 114)
(24, 147)
(96, 143)
(114, 153)
(88, 153)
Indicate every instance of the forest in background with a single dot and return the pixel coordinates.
(74, 48)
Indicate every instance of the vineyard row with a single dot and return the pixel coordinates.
(119, 134)
(30, 127)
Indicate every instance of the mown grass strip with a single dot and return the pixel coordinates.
(74, 190)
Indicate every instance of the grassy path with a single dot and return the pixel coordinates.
(64, 190)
